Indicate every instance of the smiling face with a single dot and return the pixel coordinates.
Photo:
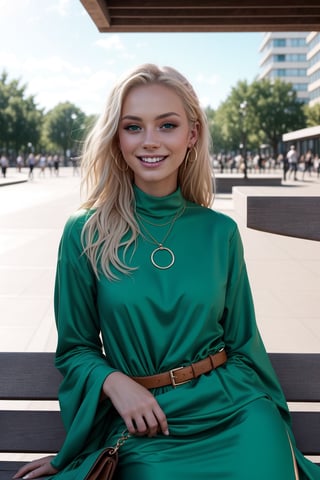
(154, 135)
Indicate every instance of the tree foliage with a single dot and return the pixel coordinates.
(255, 114)
(64, 128)
(277, 110)
(313, 115)
(20, 118)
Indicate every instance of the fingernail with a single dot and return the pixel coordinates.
(166, 432)
(25, 477)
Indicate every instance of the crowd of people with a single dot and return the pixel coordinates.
(291, 163)
(44, 162)
(294, 166)
(50, 162)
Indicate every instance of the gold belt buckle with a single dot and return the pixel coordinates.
(173, 378)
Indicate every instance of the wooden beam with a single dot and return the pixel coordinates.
(204, 15)
(98, 11)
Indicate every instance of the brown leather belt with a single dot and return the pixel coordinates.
(180, 375)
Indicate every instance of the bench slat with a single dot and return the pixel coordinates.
(298, 374)
(31, 431)
(34, 374)
(37, 378)
(306, 429)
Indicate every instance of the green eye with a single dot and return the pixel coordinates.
(168, 125)
(132, 128)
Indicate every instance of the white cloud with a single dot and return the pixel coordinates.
(8, 61)
(212, 80)
(112, 42)
(54, 64)
(88, 91)
(62, 7)
(8, 7)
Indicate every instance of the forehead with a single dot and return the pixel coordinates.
(155, 96)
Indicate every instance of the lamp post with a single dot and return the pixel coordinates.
(243, 145)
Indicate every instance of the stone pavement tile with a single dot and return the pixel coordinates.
(278, 337)
(22, 318)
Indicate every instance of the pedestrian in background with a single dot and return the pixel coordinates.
(31, 164)
(56, 164)
(292, 158)
(4, 165)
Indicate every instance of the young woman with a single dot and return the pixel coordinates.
(151, 279)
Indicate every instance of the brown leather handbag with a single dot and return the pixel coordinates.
(105, 466)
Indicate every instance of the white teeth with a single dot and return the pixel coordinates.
(152, 159)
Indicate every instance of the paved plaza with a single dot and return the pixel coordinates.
(284, 272)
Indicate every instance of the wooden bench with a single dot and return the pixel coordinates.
(289, 211)
(32, 377)
(226, 182)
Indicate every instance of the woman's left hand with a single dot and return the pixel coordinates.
(37, 468)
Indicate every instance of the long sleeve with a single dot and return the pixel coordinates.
(79, 355)
(241, 334)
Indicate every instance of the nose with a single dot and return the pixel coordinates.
(151, 139)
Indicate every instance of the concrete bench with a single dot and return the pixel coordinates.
(294, 212)
(32, 377)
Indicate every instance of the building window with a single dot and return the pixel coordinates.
(300, 87)
(291, 57)
(279, 42)
(297, 42)
(279, 58)
(291, 72)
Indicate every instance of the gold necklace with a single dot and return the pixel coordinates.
(160, 245)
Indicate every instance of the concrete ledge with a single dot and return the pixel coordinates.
(12, 182)
(225, 182)
(284, 211)
(13, 177)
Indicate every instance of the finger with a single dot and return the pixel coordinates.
(141, 426)
(131, 427)
(36, 468)
(162, 420)
(41, 471)
(28, 467)
(152, 424)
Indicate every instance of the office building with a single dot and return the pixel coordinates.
(313, 57)
(284, 56)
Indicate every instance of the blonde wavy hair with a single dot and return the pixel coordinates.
(108, 181)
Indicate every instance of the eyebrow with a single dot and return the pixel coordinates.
(159, 117)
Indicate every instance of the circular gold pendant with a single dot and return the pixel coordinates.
(162, 249)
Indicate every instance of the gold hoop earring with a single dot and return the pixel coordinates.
(187, 157)
(118, 166)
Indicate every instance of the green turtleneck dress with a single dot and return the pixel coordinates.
(230, 424)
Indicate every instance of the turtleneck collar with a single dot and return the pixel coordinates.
(157, 206)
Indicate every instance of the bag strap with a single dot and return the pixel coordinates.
(121, 440)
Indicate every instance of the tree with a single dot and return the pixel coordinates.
(20, 118)
(64, 128)
(276, 111)
(217, 139)
(312, 115)
(255, 114)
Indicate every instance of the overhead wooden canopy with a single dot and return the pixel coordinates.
(204, 15)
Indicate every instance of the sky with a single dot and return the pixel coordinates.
(56, 50)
